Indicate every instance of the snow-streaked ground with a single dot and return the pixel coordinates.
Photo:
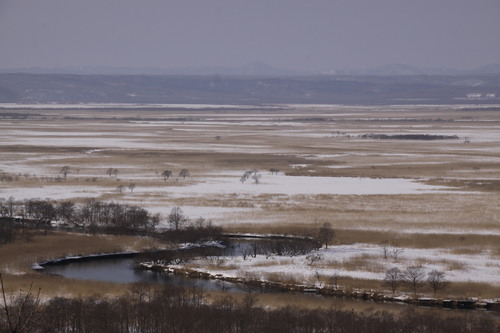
(55, 192)
(480, 268)
(328, 160)
(128, 106)
(295, 185)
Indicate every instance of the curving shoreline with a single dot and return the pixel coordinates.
(269, 286)
(372, 295)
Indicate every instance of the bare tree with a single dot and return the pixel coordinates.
(166, 175)
(109, 172)
(65, 170)
(65, 210)
(254, 174)
(414, 277)
(112, 171)
(184, 173)
(20, 313)
(245, 176)
(218, 137)
(334, 279)
(10, 205)
(396, 251)
(326, 234)
(131, 187)
(120, 188)
(385, 245)
(393, 279)
(274, 171)
(392, 249)
(176, 218)
(256, 177)
(312, 258)
(437, 281)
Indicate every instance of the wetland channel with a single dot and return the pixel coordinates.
(122, 268)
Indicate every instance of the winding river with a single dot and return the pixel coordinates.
(119, 269)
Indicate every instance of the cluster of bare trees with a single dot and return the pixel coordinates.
(280, 247)
(391, 249)
(174, 309)
(92, 213)
(291, 246)
(117, 216)
(4, 177)
(274, 171)
(120, 188)
(253, 174)
(183, 231)
(414, 277)
(166, 174)
(112, 172)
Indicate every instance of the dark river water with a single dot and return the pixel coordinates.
(120, 271)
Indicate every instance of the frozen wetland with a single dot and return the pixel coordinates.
(373, 190)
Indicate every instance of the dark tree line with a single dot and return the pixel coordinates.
(93, 214)
(115, 216)
(414, 277)
(426, 137)
(175, 309)
(281, 247)
(192, 234)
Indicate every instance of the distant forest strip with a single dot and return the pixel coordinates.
(175, 309)
(424, 137)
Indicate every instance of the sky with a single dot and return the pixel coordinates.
(311, 36)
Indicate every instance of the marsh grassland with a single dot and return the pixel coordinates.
(372, 172)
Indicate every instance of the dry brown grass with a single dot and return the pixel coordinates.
(456, 243)
(454, 290)
(52, 285)
(20, 255)
(271, 263)
(309, 301)
(364, 262)
(285, 278)
(17, 258)
(452, 222)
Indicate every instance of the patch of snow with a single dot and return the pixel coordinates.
(296, 185)
(56, 192)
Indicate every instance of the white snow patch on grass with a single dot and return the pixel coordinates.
(476, 268)
(56, 192)
(296, 185)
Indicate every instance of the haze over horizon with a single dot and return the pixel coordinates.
(316, 36)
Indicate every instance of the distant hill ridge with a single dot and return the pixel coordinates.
(220, 89)
(255, 68)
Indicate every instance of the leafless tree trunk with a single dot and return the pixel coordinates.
(393, 279)
(414, 277)
(65, 171)
(20, 312)
(326, 234)
(437, 281)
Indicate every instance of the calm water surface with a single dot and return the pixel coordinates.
(121, 271)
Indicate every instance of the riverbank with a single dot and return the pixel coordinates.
(17, 259)
(254, 285)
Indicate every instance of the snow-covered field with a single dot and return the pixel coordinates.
(326, 173)
(334, 261)
(297, 185)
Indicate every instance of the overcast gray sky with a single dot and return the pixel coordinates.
(312, 35)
